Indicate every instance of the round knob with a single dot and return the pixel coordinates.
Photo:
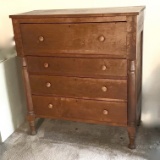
(46, 65)
(41, 38)
(104, 89)
(48, 84)
(105, 112)
(101, 38)
(50, 106)
(104, 68)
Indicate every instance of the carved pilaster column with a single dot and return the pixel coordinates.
(132, 103)
(31, 115)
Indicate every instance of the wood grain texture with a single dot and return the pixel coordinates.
(114, 11)
(63, 20)
(131, 37)
(80, 67)
(83, 65)
(31, 114)
(17, 37)
(71, 108)
(74, 38)
(132, 94)
(134, 52)
(78, 87)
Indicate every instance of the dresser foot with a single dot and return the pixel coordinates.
(33, 133)
(139, 120)
(32, 127)
(139, 123)
(132, 136)
(131, 144)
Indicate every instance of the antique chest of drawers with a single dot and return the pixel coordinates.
(82, 65)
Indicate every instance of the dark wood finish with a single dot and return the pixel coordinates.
(17, 37)
(78, 87)
(31, 115)
(132, 136)
(97, 12)
(134, 51)
(72, 20)
(47, 106)
(110, 112)
(84, 38)
(132, 102)
(83, 65)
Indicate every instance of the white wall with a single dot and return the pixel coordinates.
(12, 99)
(151, 59)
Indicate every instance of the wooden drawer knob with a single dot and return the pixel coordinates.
(46, 65)
(50, 106)
(105, 112)
(104, 89)
(41, 38)
(101, 38)
(104, 68)
(48, 84)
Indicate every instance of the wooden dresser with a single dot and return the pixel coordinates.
(82, 65)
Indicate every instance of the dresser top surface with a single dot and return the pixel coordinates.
(112, 11)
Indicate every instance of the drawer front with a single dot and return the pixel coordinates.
(79, 109)
(46, 106)
(77, 66)
(78, 87)
(83, 38)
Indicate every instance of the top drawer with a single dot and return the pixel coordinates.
(82, 38)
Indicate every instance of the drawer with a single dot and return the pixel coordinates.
(79, 109)
(78, 38)
(86, 67)
(78, 87)
(46, 106)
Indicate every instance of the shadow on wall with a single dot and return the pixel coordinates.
(151, 99)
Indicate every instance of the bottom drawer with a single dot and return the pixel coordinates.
(80, 109)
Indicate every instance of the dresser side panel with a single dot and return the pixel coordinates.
(17, 37)
(139, 64)
(62, 20)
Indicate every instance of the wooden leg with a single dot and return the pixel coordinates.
(132, 136)
(32, 127)
(31, 120)
(31, 116)
(132, 104)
